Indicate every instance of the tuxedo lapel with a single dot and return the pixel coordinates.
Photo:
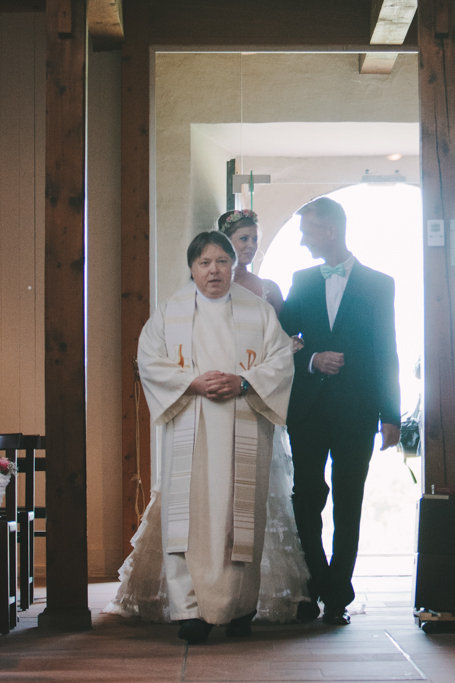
(353, 287)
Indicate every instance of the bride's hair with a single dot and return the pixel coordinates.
(231, 221)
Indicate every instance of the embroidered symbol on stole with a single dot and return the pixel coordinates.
(179, 359)
(251, 359)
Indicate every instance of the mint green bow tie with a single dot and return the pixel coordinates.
(327, 271)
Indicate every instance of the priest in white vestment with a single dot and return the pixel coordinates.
(217, 370)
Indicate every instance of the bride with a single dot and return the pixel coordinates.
(284, 573)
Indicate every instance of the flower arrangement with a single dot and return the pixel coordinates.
(7, 467)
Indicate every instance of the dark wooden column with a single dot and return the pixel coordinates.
(135, 249)
(437, 98)
(67, 605)
(435, 576)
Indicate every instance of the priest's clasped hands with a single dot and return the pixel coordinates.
(216, 385)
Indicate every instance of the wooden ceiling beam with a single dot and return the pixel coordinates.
(390, 22)
(377, 62)
(105, 24)
(22, 6)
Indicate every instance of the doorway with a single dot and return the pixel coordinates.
(316, 126)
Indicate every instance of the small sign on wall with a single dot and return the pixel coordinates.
(435, 231)
(452, 243)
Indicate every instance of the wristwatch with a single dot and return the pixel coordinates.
(244, 386)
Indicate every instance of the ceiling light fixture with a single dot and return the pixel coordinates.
(394, 157)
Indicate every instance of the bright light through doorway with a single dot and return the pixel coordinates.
(384, 231)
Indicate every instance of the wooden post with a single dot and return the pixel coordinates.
(437, 98)
(135, 252)
(67, 603)
(230, 196)
(435, 567)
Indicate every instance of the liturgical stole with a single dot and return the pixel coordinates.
(249, 345)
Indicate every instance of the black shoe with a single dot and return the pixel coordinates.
(307, 611)
(336, 617)
(194, 631)
(240, 627)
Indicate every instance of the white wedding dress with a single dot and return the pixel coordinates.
(284, 573)
(283, 569)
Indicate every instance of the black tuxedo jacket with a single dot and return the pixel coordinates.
(366, 389)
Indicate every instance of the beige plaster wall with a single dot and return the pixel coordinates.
(22, 140)
(202, 88)
(208, 179)
(326, 87)
(22, 127)
(190, 88)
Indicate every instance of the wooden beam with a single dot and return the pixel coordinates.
(390, 22)
(437, 107)
(65, 19)
(135, 250)
(377, 62)
(105, 24)
(65, 404)
(259, 22)
(22, 5)
(441, 18)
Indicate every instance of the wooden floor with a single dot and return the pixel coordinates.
(381, 644)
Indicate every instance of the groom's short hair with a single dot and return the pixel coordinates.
(324, 208)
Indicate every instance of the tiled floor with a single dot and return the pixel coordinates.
(381, 644)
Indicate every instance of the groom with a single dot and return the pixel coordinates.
(346, 380)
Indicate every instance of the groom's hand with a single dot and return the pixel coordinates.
(328, 362)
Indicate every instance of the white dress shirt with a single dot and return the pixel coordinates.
(334, 290)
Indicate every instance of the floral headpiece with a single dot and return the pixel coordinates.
(236, 216)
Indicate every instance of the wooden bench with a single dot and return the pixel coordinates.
(17, 526)
(27, 514)
(10, 443)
